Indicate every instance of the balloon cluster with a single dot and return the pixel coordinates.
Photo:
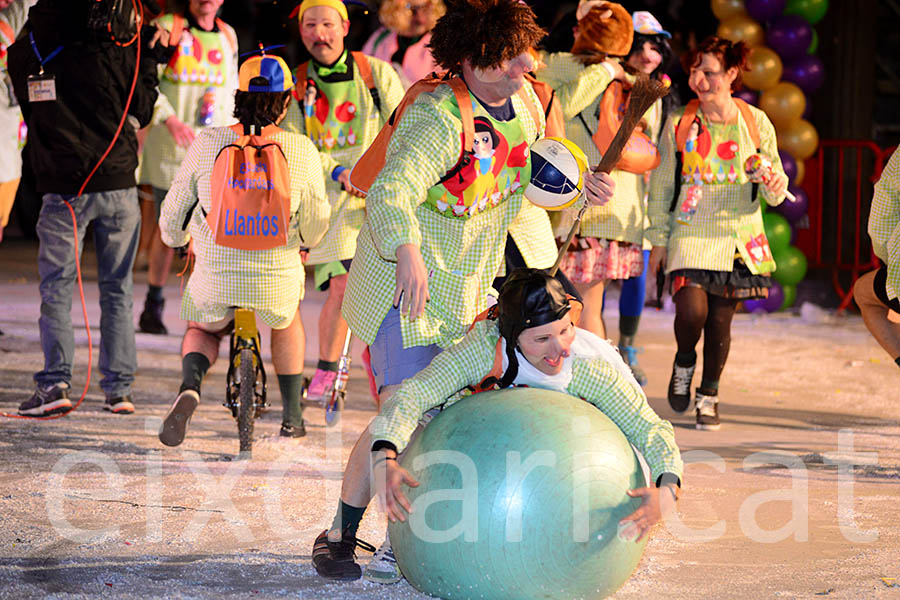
(783, 72)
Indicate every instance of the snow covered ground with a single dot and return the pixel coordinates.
(92, 504)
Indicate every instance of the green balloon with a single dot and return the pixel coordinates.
(790, 296)
(778, 231)
(790, 265)
(814, 44)
(811, 10)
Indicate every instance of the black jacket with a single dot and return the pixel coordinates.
(93, 75)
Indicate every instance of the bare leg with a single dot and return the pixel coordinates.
(591, 318)
(198, 339)
(332, 326)
(160, 261)
(289, 347)
(876, 315)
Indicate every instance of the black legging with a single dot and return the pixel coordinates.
(700, 312)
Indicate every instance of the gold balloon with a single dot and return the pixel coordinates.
(801, 171)
(742, 29)
(764, 69)
(784, 103)
(799, 138)
(725, 9)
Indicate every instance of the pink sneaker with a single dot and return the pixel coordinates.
(321, 385)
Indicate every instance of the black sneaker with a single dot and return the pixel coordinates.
(707, 409)
(294, 431)
(151, 318)
(174, 426)
(120, 405)
(680, 387)
(50, 400)
(335, 560)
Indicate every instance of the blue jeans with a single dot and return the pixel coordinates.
(391, 362)
(116, 218)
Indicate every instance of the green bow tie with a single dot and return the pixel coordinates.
(340, 67)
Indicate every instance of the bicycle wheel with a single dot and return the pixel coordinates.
(247, 401)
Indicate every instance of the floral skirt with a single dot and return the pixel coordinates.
(738, 283)
(591, 259)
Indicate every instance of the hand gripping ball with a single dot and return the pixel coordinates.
(557, 173)
(521, 491)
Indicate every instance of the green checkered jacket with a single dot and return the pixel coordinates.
(462, 256)
(884, 223)
(593, 379)
(709, 241)
(348, 211)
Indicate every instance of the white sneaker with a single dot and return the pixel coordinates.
(383, 566)
(707, 408)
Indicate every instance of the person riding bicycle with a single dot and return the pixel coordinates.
(271, 281)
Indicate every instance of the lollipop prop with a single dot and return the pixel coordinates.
(759, 170)
(644, 93)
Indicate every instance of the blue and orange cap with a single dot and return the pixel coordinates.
(272, 69)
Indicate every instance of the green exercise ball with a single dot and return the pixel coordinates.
(520, 496)
(811, 10)
(778, 231)
(790, 265)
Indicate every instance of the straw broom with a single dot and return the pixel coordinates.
(643, 94)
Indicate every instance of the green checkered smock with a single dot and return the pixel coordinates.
(593, 379)
(884, 223)
(183, 99)
(710, 240)
(580, 89)
(348, 211)
(268, 281)
(462, 256)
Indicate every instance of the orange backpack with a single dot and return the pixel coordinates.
(250, 200)
(640, 154)
(371, 162)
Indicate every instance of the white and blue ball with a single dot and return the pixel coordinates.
(557, 173)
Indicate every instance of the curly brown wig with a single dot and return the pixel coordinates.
(259, 108)
(729, 54)
(484, 32)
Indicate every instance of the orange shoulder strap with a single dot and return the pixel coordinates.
(300, 82)
(365, 69)
(532, 109)
(749, 120)
(177, 27)
(232, 41)
(7, 31)
(684, 124)
(466, 116)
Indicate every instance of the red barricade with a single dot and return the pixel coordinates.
(839, 181)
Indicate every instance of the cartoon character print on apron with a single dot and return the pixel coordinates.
(716, 160)
(497, 166)
(199, 59)
(332, 114)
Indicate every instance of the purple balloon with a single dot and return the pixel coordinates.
(748, 96)
(753, 306)
(789, 164)
(793, 211)
(807, 72)
(764, 10)
(775, 299)
(789, 36)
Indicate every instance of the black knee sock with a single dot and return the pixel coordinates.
(291, 387)
(628, 326)
(328, 365)
(683, 359)
(154, 293)
(348, 518)
(194, 366)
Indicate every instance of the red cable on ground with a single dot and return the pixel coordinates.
(135, 4)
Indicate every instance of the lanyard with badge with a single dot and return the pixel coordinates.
(42, 87)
